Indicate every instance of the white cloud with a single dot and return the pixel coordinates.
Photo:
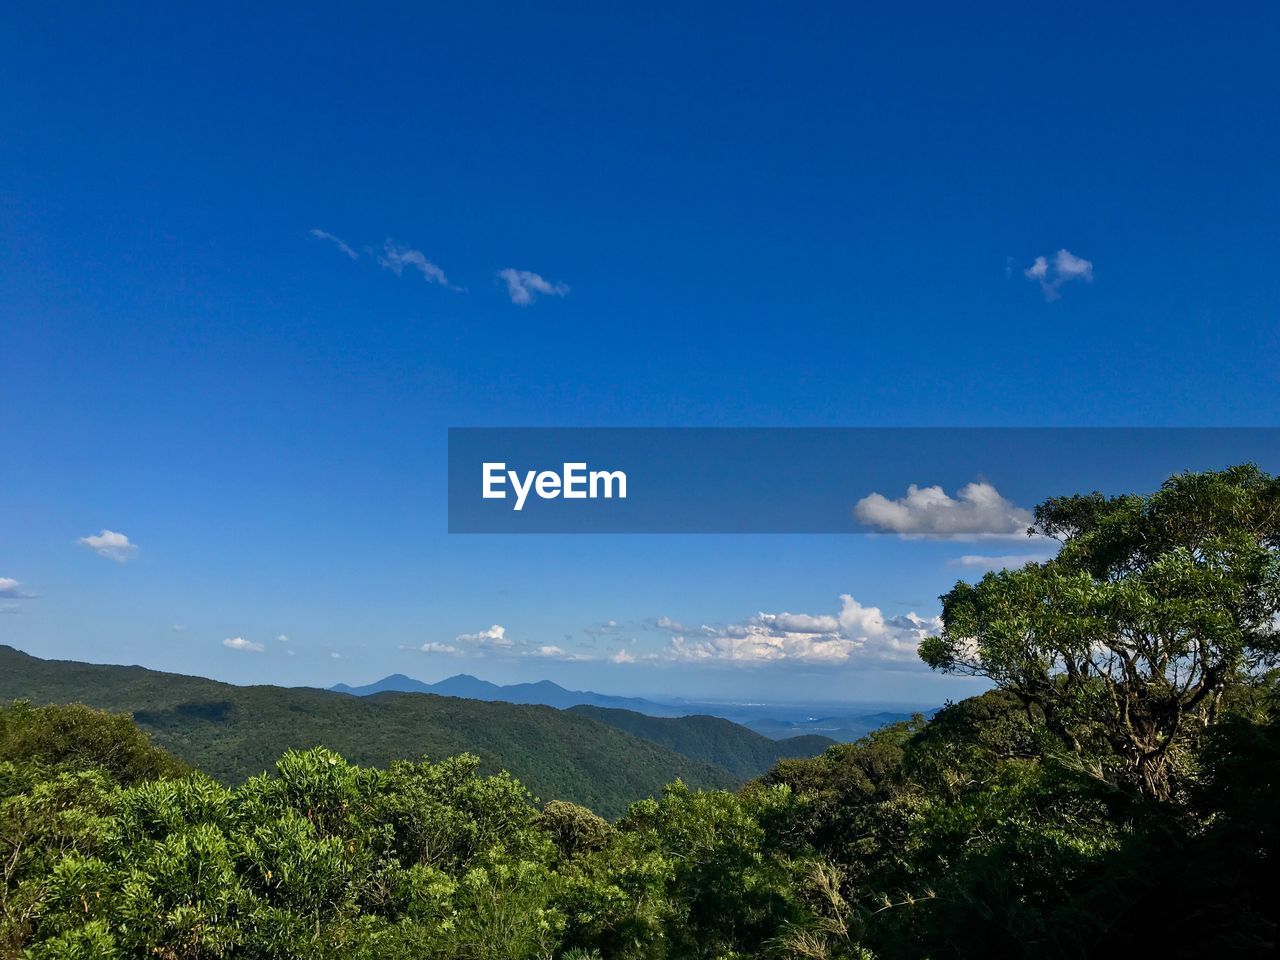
(672, 626)
(336, 241)
(493, 638)
(523, 286)
(1064, 268)
(10, 589)
(1007, 561)
(857, 634)
(396, 259)
(804, 623)
(622, 655)
(178, 628)
(335, 656)
(1070, 267)
(283, 638)
(495, 642)
(978, 510)
(240, 643)
(549, 651)
(112, 545)
(438, 648)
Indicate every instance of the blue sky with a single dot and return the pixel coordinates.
(740, 215)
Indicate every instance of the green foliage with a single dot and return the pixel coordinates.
(964, 836)
(233, 733)
(48, 818)
(323, 858)
(1127, 641)
(729, 892)
(75, 735)
(575, 830)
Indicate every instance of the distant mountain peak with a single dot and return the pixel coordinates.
(395, 683)
(814, 722)
(540, 692)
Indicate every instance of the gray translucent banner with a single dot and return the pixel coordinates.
(957, 483)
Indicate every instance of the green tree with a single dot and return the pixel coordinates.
(730, 890)
(79, 737)
(1125, 642)
(46, 817)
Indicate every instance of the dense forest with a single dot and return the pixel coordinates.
(1115, 794)
(232, 733)
(723, 743)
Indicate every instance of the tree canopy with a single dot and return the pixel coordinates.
(1126, 641)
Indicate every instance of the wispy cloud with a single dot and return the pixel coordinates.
(243, 645)
(1007, 561)
(397, 259)
(523, 286)
(607, 628)
(11, 589)
(110, 544)
(977, 510)
(1063, 268)
(394, 257)
(336, 241)
(494, 642)
(672, 626)
(438, 648)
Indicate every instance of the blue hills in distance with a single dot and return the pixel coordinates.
(840, 722)
(543, 693)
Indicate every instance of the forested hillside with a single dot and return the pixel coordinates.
(739, 750)
(235, 732)
(965, 836)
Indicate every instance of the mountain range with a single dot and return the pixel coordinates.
(840, 722)
(601, 757)
(543, 692)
